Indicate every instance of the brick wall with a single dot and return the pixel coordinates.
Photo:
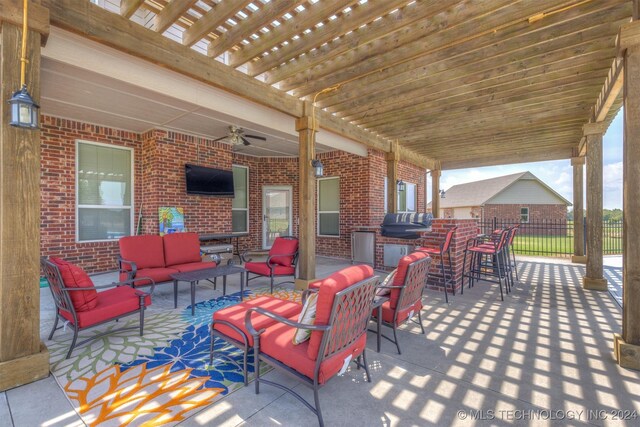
(159, 158)
(58, 196)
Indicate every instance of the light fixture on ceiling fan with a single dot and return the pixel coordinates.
(237, 136)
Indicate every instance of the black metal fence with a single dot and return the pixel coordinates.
(553, 237)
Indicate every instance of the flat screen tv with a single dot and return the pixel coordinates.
(208, 181)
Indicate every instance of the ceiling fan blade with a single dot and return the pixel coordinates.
(261, 138)
(245, 141)
(221, 138)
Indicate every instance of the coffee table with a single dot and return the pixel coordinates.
(206, 274)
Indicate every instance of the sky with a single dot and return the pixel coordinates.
(558, 174)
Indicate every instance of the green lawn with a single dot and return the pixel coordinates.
(559, 245)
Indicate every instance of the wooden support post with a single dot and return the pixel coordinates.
(307, 126)
(23, 358)
(594, 279)
(627, 345)
(578, 210)
(435, 192)
(393, 158)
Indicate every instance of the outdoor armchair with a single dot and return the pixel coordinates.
(281, 261)
(405, 293)
(339, 334)
(79, 305)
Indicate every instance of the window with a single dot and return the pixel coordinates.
(407, 199)
(329, 207)
(104, 191)
(240, 204)
(524, 214)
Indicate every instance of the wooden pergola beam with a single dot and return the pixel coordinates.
(305, 19)
(212, 20)
(170, 14)
(522, 157)
(129, 7)
(268, 13)
(11, 12)
(97, 24)
(359, 15)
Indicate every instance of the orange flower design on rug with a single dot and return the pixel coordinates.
(139, 396)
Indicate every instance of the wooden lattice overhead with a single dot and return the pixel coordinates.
(462, 82)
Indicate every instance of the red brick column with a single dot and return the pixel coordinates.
(467, 229)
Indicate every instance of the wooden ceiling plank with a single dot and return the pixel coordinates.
(481, 55)
(129, 7)
(309, 17)
(382, 27)
(487, 102)
(462, 25)
(446, 93)
(212, 20)
(501, 150)
(357, 16)
(547, 133)
(524, 157)
(170, 14)
(505, 70)
(267, 14)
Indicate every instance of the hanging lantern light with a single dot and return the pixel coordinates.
(25, 113)
(401, 185)
(318, 168)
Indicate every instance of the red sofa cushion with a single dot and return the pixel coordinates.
(277, 342)
(235, 315)
(398, 281)
(193, 266)
(110, 303)
(328, 288)
(146, 251)
(262, 269)
(75, 277)
(181, 248)
(387, 312)
(283, 246)
(157, 274)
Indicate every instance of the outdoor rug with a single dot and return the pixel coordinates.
(158, 379)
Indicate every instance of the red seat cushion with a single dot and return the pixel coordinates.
(75, 277)
(235, 315)
(146, 251)
(157, 274)
(283, 246)
(387, 312)
(193, 266)
(328, 288)
(398, 281)
(110, 304)
(262, 269)
(277, 342)
(181, 248)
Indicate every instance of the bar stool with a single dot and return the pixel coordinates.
(495, 266)
(445, 247)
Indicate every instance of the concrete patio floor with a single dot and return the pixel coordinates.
(541, 357)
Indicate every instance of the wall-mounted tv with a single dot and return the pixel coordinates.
(208, 181)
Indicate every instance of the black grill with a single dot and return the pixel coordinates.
(406, 225)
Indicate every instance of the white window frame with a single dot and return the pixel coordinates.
(415, 195)
(521, 214)
(327, 212)
(131, 207)
(386, 196)
(247, 208)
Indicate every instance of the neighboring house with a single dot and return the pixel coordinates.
(518, 197)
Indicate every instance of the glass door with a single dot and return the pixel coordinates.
(276, 214)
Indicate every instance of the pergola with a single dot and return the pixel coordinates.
(441, 84)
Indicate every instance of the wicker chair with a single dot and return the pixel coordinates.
(79, 304)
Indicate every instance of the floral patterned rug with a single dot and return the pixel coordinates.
(158, 379)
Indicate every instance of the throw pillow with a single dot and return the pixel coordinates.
(307, 316)
(386, 282)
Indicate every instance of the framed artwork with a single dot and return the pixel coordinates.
(171, 220)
